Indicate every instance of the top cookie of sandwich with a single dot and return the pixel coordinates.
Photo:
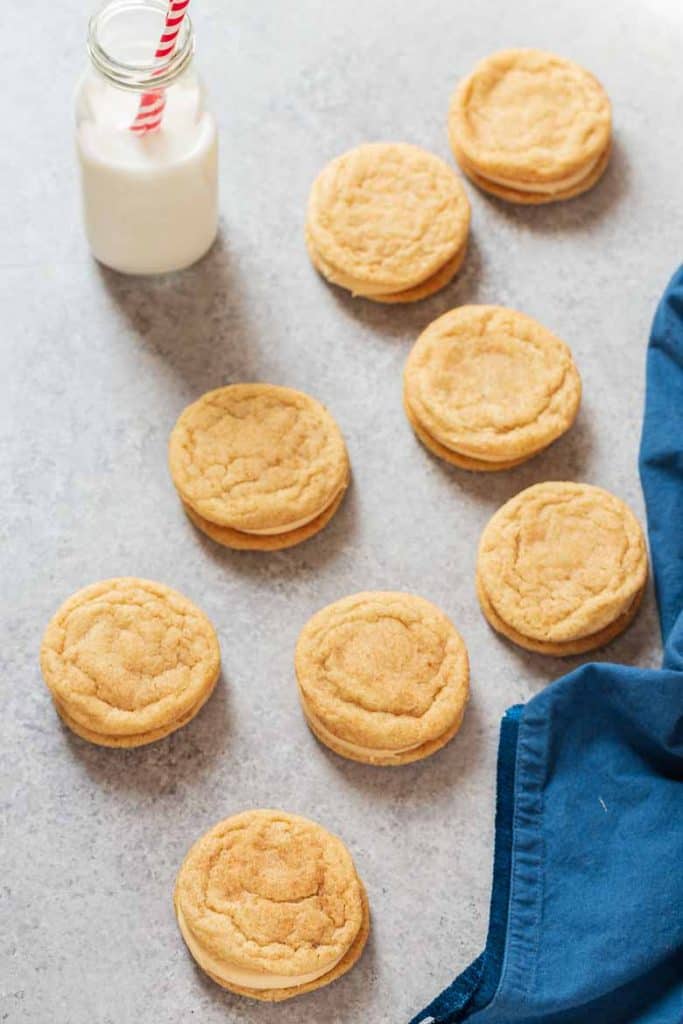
(383, 670)
(491, 383)
(256, 457)
(561, 561)
(529, 116)
(271, 892)
(386, 216)
(127, 656)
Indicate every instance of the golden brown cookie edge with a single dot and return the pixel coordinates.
(564, 649)
(378, 760)
(238, 541)
(136, 739)
(442, 277)
(534, 198)
(455, 458)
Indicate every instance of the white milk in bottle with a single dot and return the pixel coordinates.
(150, 199)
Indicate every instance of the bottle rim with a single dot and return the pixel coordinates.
(136, 76)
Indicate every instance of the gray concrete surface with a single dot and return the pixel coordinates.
(95, 369)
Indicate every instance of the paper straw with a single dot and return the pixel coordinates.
(151, 108)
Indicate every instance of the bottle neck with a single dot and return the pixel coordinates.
(123, 38)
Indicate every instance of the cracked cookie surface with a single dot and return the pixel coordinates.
(561, 562)
(273, 898)
(258, 458)
(530, 125)
(386, 217)
(128, 661)
(383, 677)
(490, 384)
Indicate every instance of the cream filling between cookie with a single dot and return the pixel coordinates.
(244, 977)
(369, 291)
(159, 731)
(357, 748)
(547, 188)
(272, 531)
(504, 461)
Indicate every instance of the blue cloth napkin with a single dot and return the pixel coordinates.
(586, 920)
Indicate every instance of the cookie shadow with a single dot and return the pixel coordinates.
(194, 321)
(408, 320)
(303, 559)
(637, 645)
(421, 783)
(568, 458)
(354, 991)
(169, 765)
(578, 215)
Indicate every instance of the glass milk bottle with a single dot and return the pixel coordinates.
(147, 146)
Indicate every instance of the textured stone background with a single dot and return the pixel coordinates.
(95, 369)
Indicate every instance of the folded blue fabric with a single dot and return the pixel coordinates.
(586, 921)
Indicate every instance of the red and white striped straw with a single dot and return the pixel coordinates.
(151, 107)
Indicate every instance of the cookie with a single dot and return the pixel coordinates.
(383, 677)
(129, 661)
(486, 387)
(561, 568)
(531, 127)
(255, 462)
(388, 221)
(270, 905)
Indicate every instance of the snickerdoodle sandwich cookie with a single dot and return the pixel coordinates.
(487, 387)
(270, 905)
(388, 221)
(531, 127)
(129, 661)
(562, 568)
(383, 677)
(258, 466)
